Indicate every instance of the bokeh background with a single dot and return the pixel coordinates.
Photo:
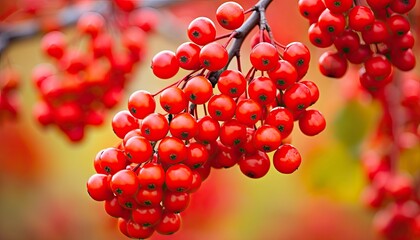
(43, 175)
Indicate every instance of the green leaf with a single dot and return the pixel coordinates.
(352, 123)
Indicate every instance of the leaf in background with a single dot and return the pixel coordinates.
(332, 170)
(352, 123)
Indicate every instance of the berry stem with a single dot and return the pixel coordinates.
(241, 34)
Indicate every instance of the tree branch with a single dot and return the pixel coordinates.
(241, 34)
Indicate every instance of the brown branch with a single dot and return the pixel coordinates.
(241, 34)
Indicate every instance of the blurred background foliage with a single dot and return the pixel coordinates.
(43, 175)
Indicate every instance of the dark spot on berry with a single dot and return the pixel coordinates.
(147, 203)
(266, 148)
(254, 116)
(236, 141)
(233, 90)
(184, 135)
(118, 191)
(107, 169)
(197, 165)
(151, 186)
(301, 106)
(300, 62)
(218, 113)
(172, 156)
(196, 34)
(281, 82)
(280, 128)
(263, 98)
(331, 29)
(133, 110)
(250, 174)
(128, 205)
(183, 59)
(265, 62)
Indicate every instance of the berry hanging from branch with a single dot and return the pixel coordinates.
(216, 116)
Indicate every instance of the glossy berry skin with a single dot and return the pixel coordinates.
(176, 202)
(332, 23)
(201, 31)
(264, 56)
(173, 100)
(154, 127)
(297, 97)
(338, 6)
(98, 187)
(208, 130)
(213, 56)
(198, 90)
(141, 104)
(262, 90)
(299, 56)
(230, 15)
(110, 161)
(313, 88)
(197, 155)
(165, 64)
(171, 150)
(248, 111)
(286, 159)
(147, 197)
(151, 176)
(232, 132)
(124, 183)
(183, 126)
(377, 33)
(169, 224)
(113, 208)
(123, 122)
(361, 18)
(267, 138)
(147, 216)
(311, 9)
(378, 66)
(283, 75)
(188, 55)
(232, 83)
(221, 107)
(178, 178)
(332, 64)
(318, 37)
(312, 122)
(138, 149)
(135, 230)
(255, 165)
(282, 119)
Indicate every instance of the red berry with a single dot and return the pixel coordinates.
(165, 64)
(230, 15)
(286, 159)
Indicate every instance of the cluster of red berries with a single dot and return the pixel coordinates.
(376, 35)
(165, 155)
(9, 83)
(88, 73)
(393, 190)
